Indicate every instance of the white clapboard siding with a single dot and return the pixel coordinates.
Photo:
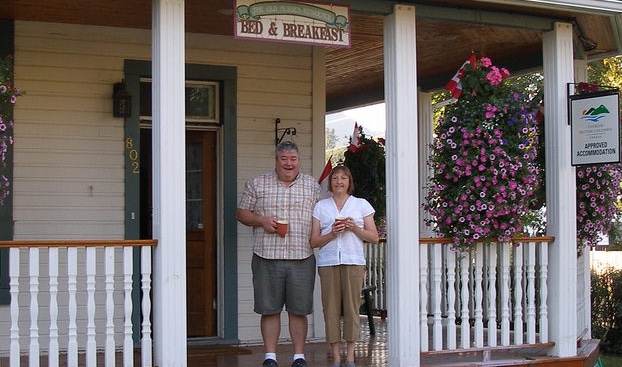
(69, 163)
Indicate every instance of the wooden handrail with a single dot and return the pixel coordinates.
(105, 243)
(548, 239)
(78, 243)
(429, 240)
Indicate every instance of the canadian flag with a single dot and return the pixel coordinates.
(355, 141)
(455, 84)
(323, 181)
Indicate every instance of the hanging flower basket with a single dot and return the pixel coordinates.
(597, 187)
(8, 97)
(482, 157)
(365, 158)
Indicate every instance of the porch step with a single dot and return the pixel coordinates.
(531, 355)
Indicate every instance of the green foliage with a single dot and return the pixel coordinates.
(607, 309)
(606, 72)
(610, 361)
(367, 164)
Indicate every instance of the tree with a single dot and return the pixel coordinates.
(331, 148)
(331, 139)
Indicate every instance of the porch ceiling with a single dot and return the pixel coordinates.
(447, 32)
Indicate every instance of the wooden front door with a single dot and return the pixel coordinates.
(201, 232)
(200, 224)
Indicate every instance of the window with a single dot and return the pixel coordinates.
(202, 102)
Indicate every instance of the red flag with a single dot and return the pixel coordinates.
(355, 141)
(455, 84)
(324, 193)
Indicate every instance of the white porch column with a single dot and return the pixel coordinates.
(560, 191)
(584, 324)
(317, 327)
(400, 76)
(169, 184)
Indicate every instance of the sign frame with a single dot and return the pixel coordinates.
(595, 127)
(292, 21)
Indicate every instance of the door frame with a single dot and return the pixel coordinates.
(227, 328)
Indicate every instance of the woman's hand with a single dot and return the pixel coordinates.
(368, 233)
(339, 226)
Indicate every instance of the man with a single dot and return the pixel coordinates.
(283, 266)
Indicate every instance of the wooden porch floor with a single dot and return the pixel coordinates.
(371, 351)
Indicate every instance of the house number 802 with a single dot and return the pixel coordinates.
(132, 154)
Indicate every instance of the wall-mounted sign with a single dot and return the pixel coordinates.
(595, 127)
(293, 22)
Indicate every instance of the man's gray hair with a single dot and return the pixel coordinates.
(286, 146)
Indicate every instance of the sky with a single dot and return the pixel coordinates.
(372, 118)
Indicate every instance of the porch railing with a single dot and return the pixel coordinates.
(494, 296)
(86, 287)
(74, 298)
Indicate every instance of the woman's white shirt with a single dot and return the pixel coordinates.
(347, 248)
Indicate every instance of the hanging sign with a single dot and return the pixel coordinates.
(293, 22)
(595, 127)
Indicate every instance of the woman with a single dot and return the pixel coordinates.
(341, 258)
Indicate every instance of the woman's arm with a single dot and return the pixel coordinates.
(318, 240)
(369, 232)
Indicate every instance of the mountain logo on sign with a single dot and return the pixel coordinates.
(595, 114)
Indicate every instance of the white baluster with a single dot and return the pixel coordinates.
(423, 297)
(479, 324)
(492, 295)
(435, 270)
(518, 294)
(581, 323)
(109, 356)
(450, 257)
(145, 270)
(382, 283)
(374, 269)
(376, 259)
(72, 271)
(14, 355)
(465, 326)
(128, 346)
(531, 293)
(91, 346)
(544, 273)
(504, 257)
(33, 357)
(53, 273)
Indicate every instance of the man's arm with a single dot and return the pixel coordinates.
(251, 219)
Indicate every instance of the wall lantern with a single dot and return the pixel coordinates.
(121, 101)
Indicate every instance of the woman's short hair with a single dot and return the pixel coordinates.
(344, 170)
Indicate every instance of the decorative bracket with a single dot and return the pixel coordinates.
(286, 131)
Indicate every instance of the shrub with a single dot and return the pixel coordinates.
(607, 309)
